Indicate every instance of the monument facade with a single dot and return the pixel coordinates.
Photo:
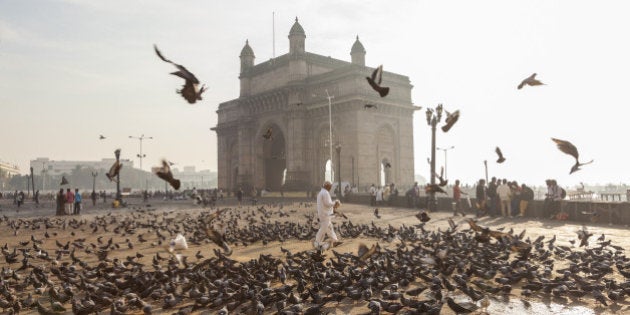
(276, 134)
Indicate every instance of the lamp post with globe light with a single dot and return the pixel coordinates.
(434, 116)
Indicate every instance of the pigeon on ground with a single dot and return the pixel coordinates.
(375, 81)
(568, 148)
(423, 217)
(531, 81)
(190, 90)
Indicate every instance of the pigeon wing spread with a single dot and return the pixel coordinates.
(566, 147)
(165, 173)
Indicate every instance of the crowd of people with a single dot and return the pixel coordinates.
(382, 195)
(68, 202)
(508, 199)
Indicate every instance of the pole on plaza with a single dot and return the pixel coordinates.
(433, 118)
(118, 194)
(33, 181)
(446, 159)
(338, 147)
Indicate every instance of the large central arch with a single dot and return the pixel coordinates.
(274, 161)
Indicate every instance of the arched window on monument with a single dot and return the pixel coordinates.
(329, 175)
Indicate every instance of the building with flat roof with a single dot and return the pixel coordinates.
(8, 170)
(55, 168)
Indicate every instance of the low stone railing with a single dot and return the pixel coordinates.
(578, 211)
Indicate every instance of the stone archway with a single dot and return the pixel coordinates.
(387, 154)
(274, 159)
(386, 172)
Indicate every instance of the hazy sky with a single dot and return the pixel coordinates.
(71, 70)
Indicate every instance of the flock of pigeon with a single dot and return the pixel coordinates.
(84, 265)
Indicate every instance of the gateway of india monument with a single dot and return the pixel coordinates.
(275, 135)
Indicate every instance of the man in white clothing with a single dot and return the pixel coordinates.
(505, 195)
(325, 212)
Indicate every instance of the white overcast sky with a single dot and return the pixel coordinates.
(71, 70)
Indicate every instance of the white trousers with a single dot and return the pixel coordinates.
(325, 228)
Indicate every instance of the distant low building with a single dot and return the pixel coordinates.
(8, 170)
(54, 168)
(191, 178)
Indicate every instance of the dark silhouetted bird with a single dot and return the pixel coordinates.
(64, 181)
(114, 171)
(165, 173)
(451, 119)
(218, 239)
(376, 213)
(369, 106)
(434, 188)
(531, 81)
(568, 148)
(388, 165)
(101, 137)
(269, 134)
(423, 216)
(501, 159)
(583, 236)
(443, 182)
(375, 81)
(190, 90)
(364, 252)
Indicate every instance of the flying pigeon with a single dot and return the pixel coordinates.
(434, 188)
(568, 148)
(165, 173)
(375, 81)
(500, 154)
(113, 171)
(367, 106)
(269, 134)
(531, 81)
(101, 137)
(189, 90)
(218, 239)
(451, 119)
(64, 181)
(443, 182)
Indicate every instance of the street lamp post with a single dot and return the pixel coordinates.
(118, 194)
(433, 118)
(140, 156)
(445, 158)
(338, 147)
(329, 97)
(94, 174)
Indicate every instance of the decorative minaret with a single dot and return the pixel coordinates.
(297, 60)
(357, 53)
(296, 38)
(247, 61)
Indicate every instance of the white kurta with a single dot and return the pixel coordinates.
(325, 214)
